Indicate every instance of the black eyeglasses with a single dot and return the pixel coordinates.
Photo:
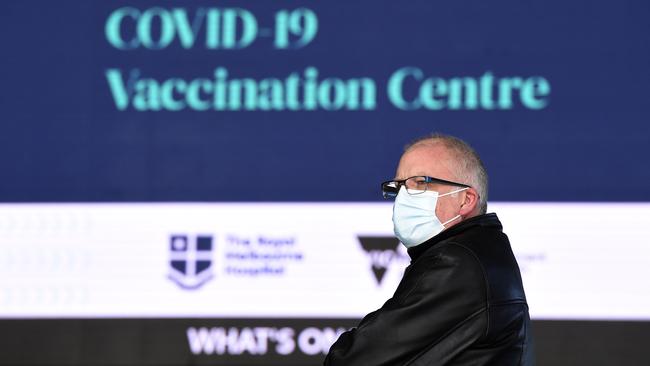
(414, 185)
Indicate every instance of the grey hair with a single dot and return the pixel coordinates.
(468, 168)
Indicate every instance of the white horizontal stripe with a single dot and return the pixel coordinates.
(578, 260)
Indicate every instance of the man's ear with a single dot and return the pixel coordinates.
(469, 203)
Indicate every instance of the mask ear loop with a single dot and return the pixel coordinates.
(446, 194)
(452, 192)
(450, 220)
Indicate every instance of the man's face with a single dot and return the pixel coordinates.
(433, 161)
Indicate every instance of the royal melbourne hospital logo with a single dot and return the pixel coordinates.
(190, 263)
(382, 250)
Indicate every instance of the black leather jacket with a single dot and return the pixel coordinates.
(460, 302)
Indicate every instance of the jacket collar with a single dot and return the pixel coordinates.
(485, 220)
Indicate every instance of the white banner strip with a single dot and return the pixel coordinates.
(578, 261)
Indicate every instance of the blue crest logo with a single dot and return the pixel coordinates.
(190, 264)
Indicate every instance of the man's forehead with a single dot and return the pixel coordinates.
(428, 148)
(425, 159)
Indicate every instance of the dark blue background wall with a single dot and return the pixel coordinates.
(62, 138)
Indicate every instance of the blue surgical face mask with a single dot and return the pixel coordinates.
(414, 216)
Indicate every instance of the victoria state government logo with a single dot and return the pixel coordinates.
(190, 263)
(382, 250)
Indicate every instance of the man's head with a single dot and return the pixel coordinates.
(448, 158)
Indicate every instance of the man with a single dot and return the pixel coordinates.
(461, 300)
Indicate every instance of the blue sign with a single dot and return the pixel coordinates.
(314, 101)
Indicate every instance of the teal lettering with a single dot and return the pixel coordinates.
(194, 90)
(506, 86)
(186, 33)
(361, 89)
(292, 92)
(167, 94)
(113, 27)
(487, 83)
(147, 95)
(311, 82)
(239, 89)
(119, 90)
(463, 86)
(295, 92)
(432, 89)
(308, 30)
(395, 88)
(249, 28)
(270, 95)
(467, 93)
(220, 83)
(299, 22)
(166, 28)
(533, 92)
(212, 32)
(331, 94)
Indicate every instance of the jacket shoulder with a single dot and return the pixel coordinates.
(493, 253)
(448, 268)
